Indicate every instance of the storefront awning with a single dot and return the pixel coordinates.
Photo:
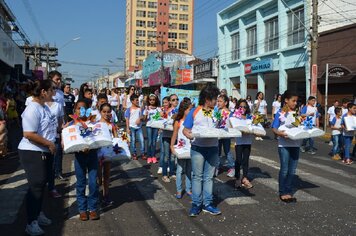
(201, 81)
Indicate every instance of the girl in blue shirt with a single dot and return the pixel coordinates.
(288, 150)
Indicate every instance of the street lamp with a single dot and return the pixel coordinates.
(72, 40)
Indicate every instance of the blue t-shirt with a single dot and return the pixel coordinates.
(284, 142)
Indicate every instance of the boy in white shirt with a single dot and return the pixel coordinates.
(336, 134)
(310, 110)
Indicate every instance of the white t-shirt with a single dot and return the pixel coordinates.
(28, 100)
(98, 116)
(59, 97)
(38, 118)
(331, 112)
(261, 108)
(128, 102)
(133, 115)
(114, 101)
(150, 112)
(337, 124)
(277, 106)
(140, 100)
(344, 111)
(56, 110)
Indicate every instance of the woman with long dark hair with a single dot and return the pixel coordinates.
(36, 149)
(127, 102)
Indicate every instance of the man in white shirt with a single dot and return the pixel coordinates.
(345, 101)
(331, 111)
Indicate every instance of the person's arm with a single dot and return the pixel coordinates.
(127, 117)
(35, 138)
(174, 135)
(266, 108)
(188, 124)
(7, 105)
(124, 103)
(273, 108)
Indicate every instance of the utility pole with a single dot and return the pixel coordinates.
(162, 74)
(314, 49)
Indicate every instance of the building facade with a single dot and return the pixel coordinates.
(264, 46)
(155, 25)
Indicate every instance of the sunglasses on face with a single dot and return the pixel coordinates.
(174, 99)
(244, 107)
(132, 89)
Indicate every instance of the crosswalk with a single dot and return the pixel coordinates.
(161, 198)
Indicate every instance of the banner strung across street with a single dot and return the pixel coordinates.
(181, 93)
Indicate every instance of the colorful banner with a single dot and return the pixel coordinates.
(181, 93)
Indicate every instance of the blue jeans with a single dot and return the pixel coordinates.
(58, 158)
(184, 166)
(337, 143)
(347, 142)
(152, 134)
(226, 145)
(288, 157)
(311, 143)
(87, 162)
(133, 133)
(204, 161)
(168, 158)
(161, 152)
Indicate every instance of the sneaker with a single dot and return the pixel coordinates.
(166, 179)
(34, 229)
(54, 194)
(336, 157)
(312, 152)
(189, 194)
(179, 195)
(107, 201)
(195, 210)
(134, 157)
(60, 177)
(212, 210)
(154, 160)
(231, 173)
(159, 171)
(302, 149)
(348, 162)
(43, 220)
(173, 177)
(331, 143)
(149, 160)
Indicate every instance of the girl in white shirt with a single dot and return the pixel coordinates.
(36, 150)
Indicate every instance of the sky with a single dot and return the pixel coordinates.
(100, 24)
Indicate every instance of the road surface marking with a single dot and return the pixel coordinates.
(310, 177)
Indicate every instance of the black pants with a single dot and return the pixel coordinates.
(242, 160)
(35, 167)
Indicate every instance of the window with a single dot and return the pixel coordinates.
(172, 44)
(183, 7)
(151, 24)
(140, 43)
(152, 14)
(151, 44)
(235, 47)
(183, 26)
(296, 31)
(183, 36)
(271, 41)
(140, 23)
(183, 17)
(140, 53)
(140, 33)
(184, 0)
(173, 26)
(173, 7)
(183, 46)
(141, 3)
(173, 16)
(172, 35)
(140, 13)
(251, 41)
(139, 62)
(152, 4)
(151, 34)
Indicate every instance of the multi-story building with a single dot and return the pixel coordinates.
(155, 25)
(264, 46)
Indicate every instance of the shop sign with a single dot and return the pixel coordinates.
(259, 66)
(206, 70)
(155, 78)
(338, 71)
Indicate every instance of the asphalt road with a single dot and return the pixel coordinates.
(144, 205)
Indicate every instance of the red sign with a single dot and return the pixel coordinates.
(314, 80)
(248, 68)
(155, 78)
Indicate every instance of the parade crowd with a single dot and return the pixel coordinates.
(52, 106)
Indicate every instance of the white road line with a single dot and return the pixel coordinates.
(230, 195)
(310, 177)
(273, 184)
(328, 168)
(11, 196)
(155, 194)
